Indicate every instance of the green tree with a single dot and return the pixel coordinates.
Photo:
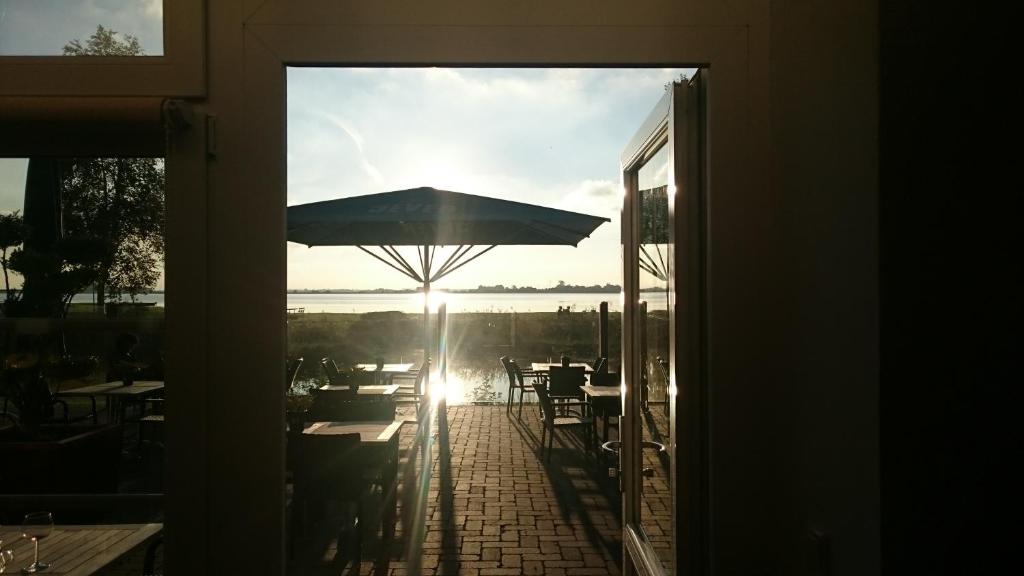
(104, 42)
(12, 234)
(117, 201)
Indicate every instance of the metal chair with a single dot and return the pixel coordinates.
(564, 382)
(520, 384)
(334, 376)
(550, 422)
(608, 410)
(291, 372)
(329, 469)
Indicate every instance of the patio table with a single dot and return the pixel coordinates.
(73, 550)
(115, 392)
(378, 439)
(600, 397)
(388, 372)
(371, 390)
(546, 366)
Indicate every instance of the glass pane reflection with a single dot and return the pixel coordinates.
(653, 260)
(47, 27)
(82, 338)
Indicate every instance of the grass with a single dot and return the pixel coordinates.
(474, 338)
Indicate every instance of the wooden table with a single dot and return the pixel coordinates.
(77, 550)
(387, 372)
(388, 368)
(379, 438)
(600, 398)
(115, 392)
(371, 390)
(546, 366)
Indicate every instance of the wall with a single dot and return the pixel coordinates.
(794, 254)
(952, 303)
(825, 171)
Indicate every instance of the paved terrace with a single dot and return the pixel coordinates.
(493, 506)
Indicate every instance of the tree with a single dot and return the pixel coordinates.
(12, 234)
(117, 201)
(120, 203)
(104, 42)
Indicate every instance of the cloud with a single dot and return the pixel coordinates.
(551, 137)
(358, 140)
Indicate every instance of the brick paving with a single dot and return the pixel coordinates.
(493, 506)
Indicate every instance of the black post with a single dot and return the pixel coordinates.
(602, 332)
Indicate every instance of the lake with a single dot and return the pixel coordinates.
(413, 303)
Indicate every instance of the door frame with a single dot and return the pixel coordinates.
(248, 181)
(677, 121)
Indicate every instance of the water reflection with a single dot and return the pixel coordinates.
(476, 382)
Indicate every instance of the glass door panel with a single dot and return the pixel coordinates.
(645, 457)
(652, 325)
(662, 259)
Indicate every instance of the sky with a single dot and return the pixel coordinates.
(43, 27)
(551, 137)
(545, 136)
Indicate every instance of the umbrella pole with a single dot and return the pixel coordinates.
(427, 360)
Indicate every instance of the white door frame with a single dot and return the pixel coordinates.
(247, 260)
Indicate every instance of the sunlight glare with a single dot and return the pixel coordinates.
(434, 299)
(453, 391)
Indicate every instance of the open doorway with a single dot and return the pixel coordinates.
(546, 137)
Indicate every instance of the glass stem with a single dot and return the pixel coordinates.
(35, 559)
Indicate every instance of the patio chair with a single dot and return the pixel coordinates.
(609, 410)
(413, 393)
(291, 372)
(663, 364)
(506, 364)
(550, 422)
(331, 371)
(28, 390)
(517, 374)
(329, 469)
(335, 406)
(564, 383)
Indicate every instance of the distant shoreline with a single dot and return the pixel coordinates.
(607, 289)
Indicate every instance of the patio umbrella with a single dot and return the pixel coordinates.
(428, 218)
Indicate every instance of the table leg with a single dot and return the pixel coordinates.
(390, 487)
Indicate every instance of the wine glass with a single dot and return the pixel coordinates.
(37, 525)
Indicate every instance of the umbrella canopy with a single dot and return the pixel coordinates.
(431, 217)
(427, 218)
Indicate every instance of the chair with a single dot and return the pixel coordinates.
(413, 393)
(550, 422)
(329, 468)
(517, 374)
(331, 371)
(668, 381)
(291, 372)
(515, 382)
(30, 393)
(344, 406)
(564, 382)
(608, 409)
